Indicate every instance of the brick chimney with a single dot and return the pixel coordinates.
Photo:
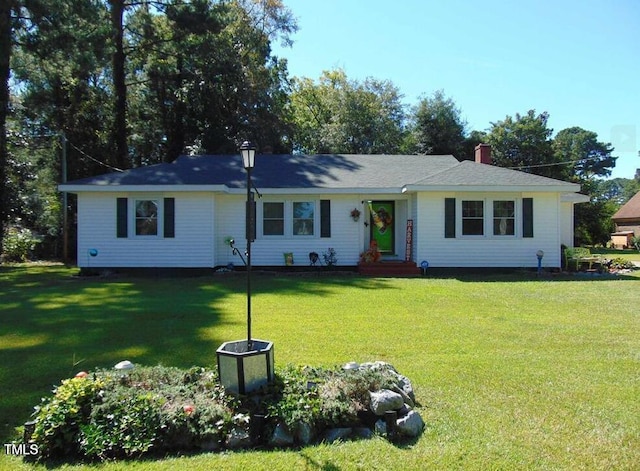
(483, 154)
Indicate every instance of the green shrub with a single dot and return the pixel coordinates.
(297, 401)
(58, 419)
(113, 415)
(125, 424)
(620, 263)
(326, 398)
(18, 243)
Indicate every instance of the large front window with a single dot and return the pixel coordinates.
(472, 217)
(146, 217)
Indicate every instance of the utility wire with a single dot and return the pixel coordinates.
(94, 159)
(568, 162)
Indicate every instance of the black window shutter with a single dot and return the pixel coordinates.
(325, 218)
(121, 218)
(169, 217)
(449, 218)
(527, 217)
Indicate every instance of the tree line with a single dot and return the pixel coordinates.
(106, 85)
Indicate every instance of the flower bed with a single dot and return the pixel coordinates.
(119, 414)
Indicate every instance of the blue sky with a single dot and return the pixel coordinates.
(577, 60)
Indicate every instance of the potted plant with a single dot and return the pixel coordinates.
(372, 254)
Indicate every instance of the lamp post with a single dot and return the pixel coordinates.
(246, 365)
(248, 152)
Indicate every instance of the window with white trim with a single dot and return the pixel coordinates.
(472, 217)
(289, 218)
(146, 217)
(303, 218)
(273, 218)
(504, 217)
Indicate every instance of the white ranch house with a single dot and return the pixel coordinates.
(464, 214)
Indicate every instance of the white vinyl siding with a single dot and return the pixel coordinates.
(191, 247)
(488, 250)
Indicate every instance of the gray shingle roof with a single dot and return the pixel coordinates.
(468, 173)
(330, 171)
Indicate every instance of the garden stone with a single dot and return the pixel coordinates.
(381, 427)
(385, 400)
(405, 384)
(238, 438)
(281, 436)
(335, 434)
(304, 433)
(404, 410)
(410, 425)
(407, 399)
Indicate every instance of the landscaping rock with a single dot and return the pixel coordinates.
(335, 434)
(281, 436)
(404, 410)
(381, 427)
(406, 398)
(238, 438)
(304, 433)
(410, 425)
(385, 400)
(407, 388)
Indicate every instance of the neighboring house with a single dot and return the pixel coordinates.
(463, 214)
(627, 221)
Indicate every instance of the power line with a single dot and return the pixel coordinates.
(567, 162)
(94, 159)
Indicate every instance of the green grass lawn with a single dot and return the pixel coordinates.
(511, 371)
(628, 254)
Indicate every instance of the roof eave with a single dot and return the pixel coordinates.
(111, 188)
(570, 187)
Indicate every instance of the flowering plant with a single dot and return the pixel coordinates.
(372, 254)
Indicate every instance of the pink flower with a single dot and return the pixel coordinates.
(188, 409)
(82, 374)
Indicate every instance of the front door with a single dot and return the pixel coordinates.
(382, 224)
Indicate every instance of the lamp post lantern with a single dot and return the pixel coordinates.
(246, 365)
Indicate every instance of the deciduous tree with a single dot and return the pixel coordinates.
(438, 126)
(338, 115)
(524, 142)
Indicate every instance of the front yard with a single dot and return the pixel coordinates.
(511, 371)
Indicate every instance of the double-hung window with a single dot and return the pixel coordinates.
(472, 217)
(504, 217)
(303, 218)
(493, 217)
(273, 218)
(292, 218)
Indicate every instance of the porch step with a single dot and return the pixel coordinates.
(390, 268)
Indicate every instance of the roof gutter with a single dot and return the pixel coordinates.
(112, 188)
